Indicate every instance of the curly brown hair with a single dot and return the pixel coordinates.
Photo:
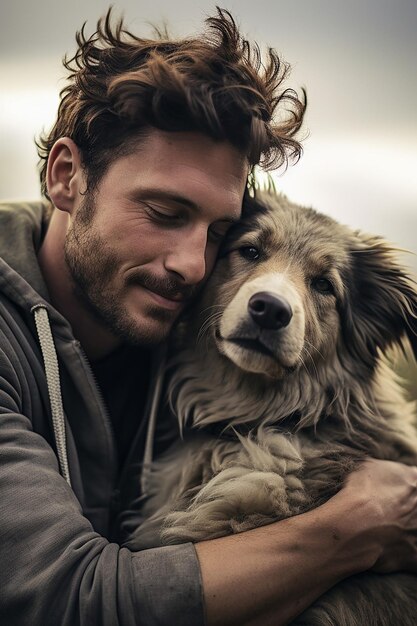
(120, 86)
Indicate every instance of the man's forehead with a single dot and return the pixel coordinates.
(195, 147)
(186, 169)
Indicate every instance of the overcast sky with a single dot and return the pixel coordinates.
(357, 60)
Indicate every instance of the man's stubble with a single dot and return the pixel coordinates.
(93, 264)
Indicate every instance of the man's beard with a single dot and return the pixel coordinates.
(93, 264)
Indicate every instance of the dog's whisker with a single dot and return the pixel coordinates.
(310, 345)
(207, 324)
(312, 362)
(203, 332)
(213, 306)
(211, 318)
(301, 360)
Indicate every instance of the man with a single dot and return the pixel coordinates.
(146, 168)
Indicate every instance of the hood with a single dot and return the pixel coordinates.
(22, 227)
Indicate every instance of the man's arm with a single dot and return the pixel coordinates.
(54, 568)
(269, 575)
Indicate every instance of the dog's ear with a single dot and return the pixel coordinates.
(381, 306)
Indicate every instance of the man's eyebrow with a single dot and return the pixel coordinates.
(161, 194)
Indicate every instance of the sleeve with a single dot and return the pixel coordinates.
(54, 568)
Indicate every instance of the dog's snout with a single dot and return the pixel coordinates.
(269, 311)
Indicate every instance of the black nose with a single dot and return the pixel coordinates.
(269, 311)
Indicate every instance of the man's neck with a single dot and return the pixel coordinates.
(95, 339)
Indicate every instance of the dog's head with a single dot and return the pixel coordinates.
(294, 289)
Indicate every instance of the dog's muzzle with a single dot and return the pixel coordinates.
(269, 311)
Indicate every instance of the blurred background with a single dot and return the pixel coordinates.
(357, 60)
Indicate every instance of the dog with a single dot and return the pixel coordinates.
(281, 384)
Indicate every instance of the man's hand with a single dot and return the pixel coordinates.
(269, 575)
(389, 492)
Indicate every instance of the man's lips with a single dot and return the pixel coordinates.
(174, 302)
(165, 292)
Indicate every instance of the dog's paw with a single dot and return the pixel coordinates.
(184, 526)
(233, 501)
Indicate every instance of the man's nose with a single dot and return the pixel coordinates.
(187, 256)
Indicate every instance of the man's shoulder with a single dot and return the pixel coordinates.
(22, 227)
(22, 219)
(35, 211)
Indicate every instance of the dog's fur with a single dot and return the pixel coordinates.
(274, 418)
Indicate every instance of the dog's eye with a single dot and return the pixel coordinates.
(249, 252)
(323, 285)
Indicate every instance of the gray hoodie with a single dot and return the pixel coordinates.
(58, 471)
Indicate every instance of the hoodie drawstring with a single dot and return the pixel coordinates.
(50, 360)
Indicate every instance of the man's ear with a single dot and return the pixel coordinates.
(65, 174)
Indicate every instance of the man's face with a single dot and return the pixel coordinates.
(140, 247)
